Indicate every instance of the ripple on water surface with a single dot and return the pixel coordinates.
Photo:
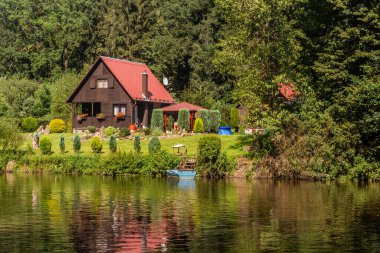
(45, 213)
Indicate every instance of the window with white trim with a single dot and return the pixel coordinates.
(119, 108)
(102, 83)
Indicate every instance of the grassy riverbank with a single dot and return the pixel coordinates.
(125, 160)
(232, 144)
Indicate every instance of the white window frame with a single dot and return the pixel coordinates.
(102, 83)
(119, 108)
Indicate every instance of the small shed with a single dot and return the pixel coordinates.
(174, 109)
(288, 91)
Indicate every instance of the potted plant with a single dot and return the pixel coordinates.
(120, 116)
(101, 116)
(82, 117)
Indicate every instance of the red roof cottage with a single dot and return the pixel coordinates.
(117, 93)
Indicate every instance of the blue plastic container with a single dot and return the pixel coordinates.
(225, 130)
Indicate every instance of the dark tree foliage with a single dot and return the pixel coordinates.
(217, 54)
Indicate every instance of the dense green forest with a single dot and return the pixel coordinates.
(216, 53)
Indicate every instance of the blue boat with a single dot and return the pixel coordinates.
(182, 174)
(187, 166)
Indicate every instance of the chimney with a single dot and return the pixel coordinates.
(145, 85)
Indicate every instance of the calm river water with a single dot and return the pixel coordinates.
(46, 213)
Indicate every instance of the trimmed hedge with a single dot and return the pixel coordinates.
(76, 144)
(169, 123)
(62, 145)
(136, 144)
(198, 126)
(96, 145)
(157, 121)
(45, 145)
(235, 119)
(113, 144)
(205, 116)
(154, 145)
(57, 126)
(215, 118)
(184, 119)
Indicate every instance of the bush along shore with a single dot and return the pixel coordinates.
(119, 163)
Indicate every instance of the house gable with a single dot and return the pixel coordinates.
(88, 92)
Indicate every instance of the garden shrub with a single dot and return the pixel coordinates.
(11, 137)
(96, 145)
(57, 126)
(62, 146)
(156, 132)
(211, 162)
(169, 123)
(124, 132)
(147, 131)
(158, 163)
(154, 164)
(29, 124)
(76, 144)
(154, 145)
(157, 121)
(214, 121)
(184, 119)
(136, 144)
(198, 126)
(91, 129)
(205, 116)
(234, 119)
(113, 144)
(45, 145)
(110, 131)
(225, 110)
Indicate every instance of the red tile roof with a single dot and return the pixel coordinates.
(129, 76)
(288, 91)
(182, 105)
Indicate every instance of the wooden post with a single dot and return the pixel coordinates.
(165, 122)
(146, 112)
(191, 121)
(92, 113)
(72, 116)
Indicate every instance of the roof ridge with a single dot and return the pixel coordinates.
(122, 60)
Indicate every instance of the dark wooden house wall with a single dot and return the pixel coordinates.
(114, 94)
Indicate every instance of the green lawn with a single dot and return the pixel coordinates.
(233, 144)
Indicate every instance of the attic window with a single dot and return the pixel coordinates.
(102, 83)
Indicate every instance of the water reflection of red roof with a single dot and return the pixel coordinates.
(182, 105)
(288, 91)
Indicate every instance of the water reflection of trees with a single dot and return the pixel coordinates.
(141, 214)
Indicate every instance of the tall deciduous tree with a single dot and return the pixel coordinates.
(259, 50)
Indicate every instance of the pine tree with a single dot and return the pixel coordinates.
(62, 146)
(113, 144)
(76, 144)
(136, 144)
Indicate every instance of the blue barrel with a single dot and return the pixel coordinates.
(225, 130)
